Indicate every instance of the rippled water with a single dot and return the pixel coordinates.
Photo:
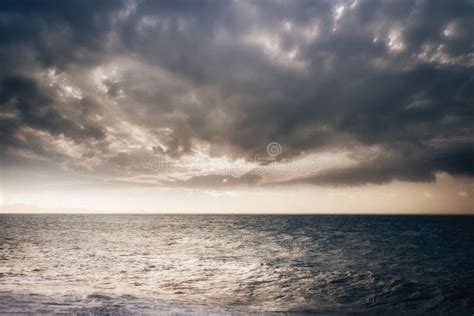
(236, 264)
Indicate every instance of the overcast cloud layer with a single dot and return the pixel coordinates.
(385, 88)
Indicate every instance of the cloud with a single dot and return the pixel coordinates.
(220, 181)
(107, 85)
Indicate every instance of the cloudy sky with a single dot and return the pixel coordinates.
(237, 106)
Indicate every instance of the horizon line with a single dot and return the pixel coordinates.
(471, 213)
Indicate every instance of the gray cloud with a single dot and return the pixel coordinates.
(212, 181)
(238, 75)
(27, 105)
(404, 164)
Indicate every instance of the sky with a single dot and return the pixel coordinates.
(354, 106)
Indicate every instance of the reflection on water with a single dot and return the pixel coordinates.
(217, 264)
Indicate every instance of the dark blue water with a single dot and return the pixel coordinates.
(236, 264)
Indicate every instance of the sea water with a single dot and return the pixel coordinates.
(232, 264)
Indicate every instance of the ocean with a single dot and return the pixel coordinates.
(236, 264)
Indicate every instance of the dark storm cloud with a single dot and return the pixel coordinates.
(57, 32)
(33, 107)
(414, 165)
(311, 75)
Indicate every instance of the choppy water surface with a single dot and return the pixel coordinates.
(236, 264)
